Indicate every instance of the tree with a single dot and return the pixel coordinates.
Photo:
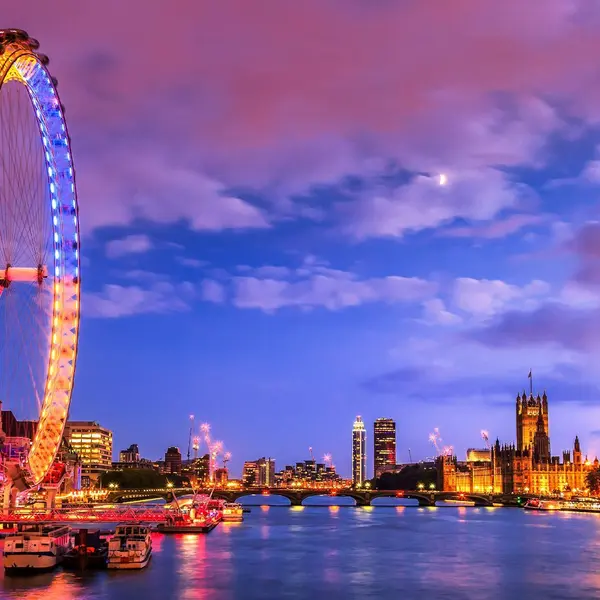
(592, 480)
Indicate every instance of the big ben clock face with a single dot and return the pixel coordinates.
(532, 411)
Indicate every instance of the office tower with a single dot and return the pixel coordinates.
(384, 446)
(359, 456)
(93, 445)
(173, 460)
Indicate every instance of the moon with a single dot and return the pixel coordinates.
(443, 179)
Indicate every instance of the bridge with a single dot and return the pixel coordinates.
(298, 496)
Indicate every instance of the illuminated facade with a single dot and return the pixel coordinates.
(93, 444)
(131, 455)
(359, 455)
(173, 460)
(527, 468)
(259, 472)
(384, 446)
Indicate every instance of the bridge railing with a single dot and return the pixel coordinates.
(117, 514)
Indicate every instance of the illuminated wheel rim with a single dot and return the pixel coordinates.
(50, 239)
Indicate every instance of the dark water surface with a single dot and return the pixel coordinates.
(346, 553)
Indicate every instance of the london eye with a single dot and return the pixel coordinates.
(39, 257)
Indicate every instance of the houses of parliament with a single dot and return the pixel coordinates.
(527, 468)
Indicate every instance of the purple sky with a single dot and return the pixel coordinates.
(266, 241)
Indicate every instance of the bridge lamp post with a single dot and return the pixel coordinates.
(368, 485)
(420, 486)
(432, 486)
(169, 485)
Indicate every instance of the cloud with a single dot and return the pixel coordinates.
(551, 324)
(497, 229)
(147, 185)
(115, 301)
(267, 271)
(318, 285)
(437, 313)
(426, 383)
(132, 244)
(484, 297)
(193, 263)
(423, 204)
(171, 148)
(213, 291)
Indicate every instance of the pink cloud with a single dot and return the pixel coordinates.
(424, 203)
(242, 101)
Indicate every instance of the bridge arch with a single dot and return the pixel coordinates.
(331, 497)
(264, 498)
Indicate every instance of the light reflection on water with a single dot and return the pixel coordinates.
(314, 553)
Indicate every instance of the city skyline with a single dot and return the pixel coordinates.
(278, 234)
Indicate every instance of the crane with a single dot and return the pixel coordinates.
(190, 437)
(485, 436)
(226, 459)
(312, 456)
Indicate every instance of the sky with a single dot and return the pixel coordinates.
(295, 213)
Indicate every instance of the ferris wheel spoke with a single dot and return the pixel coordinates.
(39, 256)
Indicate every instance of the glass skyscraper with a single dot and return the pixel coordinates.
(384, 446)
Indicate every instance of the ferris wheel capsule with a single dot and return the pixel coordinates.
(39, 255)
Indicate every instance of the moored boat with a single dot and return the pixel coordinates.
(537, 504)
(89, 552)
(195, 521)
(130, 547)
(233, 512)
(36, 547)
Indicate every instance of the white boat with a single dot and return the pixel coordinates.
(130, 547)
(36, 547)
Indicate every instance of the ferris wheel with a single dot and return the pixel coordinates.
(39, 255)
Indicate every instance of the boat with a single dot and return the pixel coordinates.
(196, 520)
(90, 551)
(233, 512)
(537, 504)
(36, 547)
(130, 547)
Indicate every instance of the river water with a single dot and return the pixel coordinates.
(346, 553)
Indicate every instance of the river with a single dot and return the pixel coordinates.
(345, 553)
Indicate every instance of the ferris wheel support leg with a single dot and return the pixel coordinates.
(9, 496)
(51, 498)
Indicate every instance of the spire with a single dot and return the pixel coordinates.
(577, 446)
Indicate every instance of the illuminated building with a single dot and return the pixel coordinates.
(525, 468)
(259, 472)
(173, 460)
(479, 455)
(131, 455)
(359, 456)
(93, 445)
(384, 446)
(221, 477)
(250, 473)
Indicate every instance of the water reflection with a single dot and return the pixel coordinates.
(383, 553)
